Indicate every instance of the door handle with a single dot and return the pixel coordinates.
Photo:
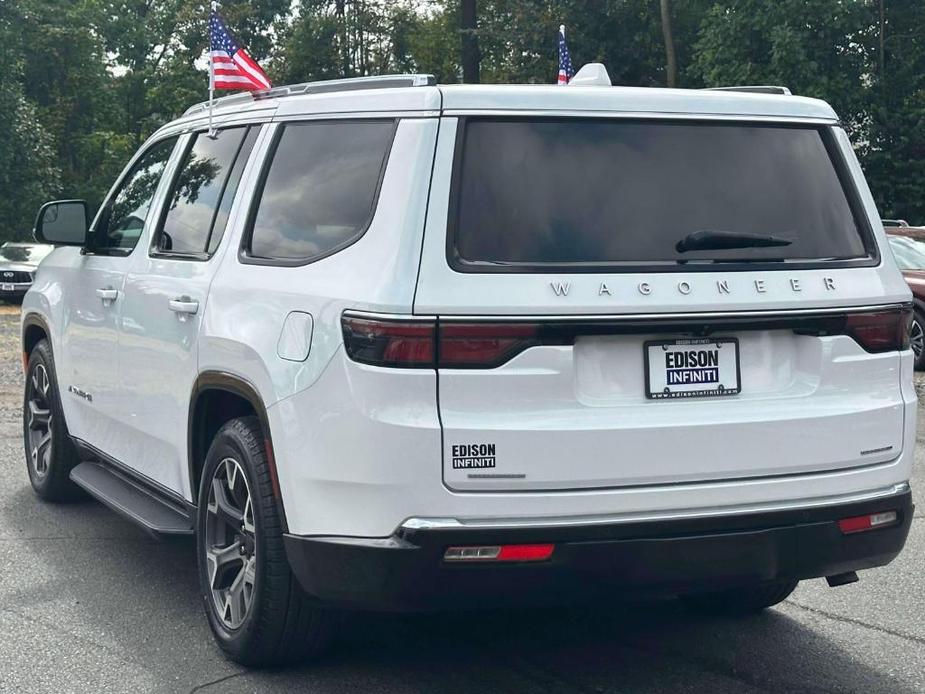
(184, 306)
(107, 294)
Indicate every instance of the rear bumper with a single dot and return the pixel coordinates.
(595, 562)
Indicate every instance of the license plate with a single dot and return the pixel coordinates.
(6, 287)
(699, 368)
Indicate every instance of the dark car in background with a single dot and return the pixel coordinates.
(908, 246)
(18, 262)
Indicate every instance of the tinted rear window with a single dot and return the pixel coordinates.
(595, 192)
(320, 190)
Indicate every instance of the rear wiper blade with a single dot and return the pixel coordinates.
(718, 240)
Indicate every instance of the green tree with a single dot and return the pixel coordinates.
(155, 45)
(893, 149)
(65, 76)
(28, 172)
(815, 47)
(331, 39)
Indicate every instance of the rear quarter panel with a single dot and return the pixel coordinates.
(248, 304)
(326, 428)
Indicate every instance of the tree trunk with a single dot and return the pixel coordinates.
(671, 60)
(340, 11)
(882, 42)
(468, 25)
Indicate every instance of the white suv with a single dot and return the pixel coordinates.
(381, 343)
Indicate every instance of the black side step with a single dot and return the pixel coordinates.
(132, 499)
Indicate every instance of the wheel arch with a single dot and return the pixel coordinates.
(34, 330)
(219, 397)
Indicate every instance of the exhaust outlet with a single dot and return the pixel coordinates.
(842, 579)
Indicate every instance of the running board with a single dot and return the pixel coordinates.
(133, 500)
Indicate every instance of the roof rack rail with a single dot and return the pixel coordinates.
(320, 87)
(755, 89)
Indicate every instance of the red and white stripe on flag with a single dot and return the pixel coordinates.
(237, 71)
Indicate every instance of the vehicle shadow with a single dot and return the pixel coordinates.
(136, 600)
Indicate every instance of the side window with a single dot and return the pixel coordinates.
(202, 192)
(231, 187)
(123, 219)
(320, 190)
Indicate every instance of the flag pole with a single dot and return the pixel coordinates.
(214, 7)
(562, 33)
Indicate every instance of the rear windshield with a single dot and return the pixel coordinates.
(668, 195)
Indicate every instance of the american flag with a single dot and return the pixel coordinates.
(565, 61)
(232, 67)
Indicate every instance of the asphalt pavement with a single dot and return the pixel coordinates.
(88, 603)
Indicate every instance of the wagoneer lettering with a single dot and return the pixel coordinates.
(723, 286)
(672, 312)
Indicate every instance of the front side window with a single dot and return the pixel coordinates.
(320, 190)
(123, 218)
(203, 191)
(530, 194)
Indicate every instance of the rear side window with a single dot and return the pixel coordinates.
(203, 191)
(319, 192)
(586, 194)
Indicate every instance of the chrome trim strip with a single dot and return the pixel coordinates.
(623, 316)
(578, 521)
(674, 316)
(372, 315)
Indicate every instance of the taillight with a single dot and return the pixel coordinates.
(483, 345)
(428, 344)
(880, 331)
(407, 344)
(451, 344)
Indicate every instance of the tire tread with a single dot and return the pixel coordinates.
(289, 626)
(56, 485)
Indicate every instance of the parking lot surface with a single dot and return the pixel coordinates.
(89, 603)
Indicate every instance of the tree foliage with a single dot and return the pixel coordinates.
(85, 81)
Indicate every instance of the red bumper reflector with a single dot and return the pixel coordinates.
(859, 524)
(499, 553)
(525, 552)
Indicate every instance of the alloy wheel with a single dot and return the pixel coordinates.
(917, 338)
(39, 421)
(231, 543)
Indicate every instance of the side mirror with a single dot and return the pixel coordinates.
(62, 223)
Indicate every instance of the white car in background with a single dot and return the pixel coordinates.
(382, 343)
(18, 262)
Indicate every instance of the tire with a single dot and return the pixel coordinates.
(50, 452)
(741, 601)
(917, 339)
(258, 612)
